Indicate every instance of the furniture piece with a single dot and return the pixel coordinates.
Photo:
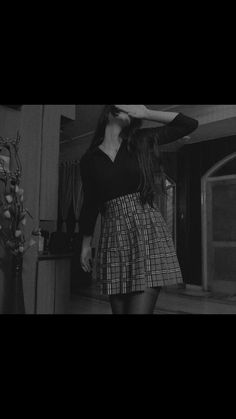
(53, 284)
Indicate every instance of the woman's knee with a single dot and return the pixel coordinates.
(117, 304)
(143, 302)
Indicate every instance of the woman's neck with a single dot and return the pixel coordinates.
(112, 135)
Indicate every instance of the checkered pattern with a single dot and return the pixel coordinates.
(135, 249)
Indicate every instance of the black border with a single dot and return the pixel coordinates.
(175, 334)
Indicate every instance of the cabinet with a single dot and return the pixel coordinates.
(53, 285)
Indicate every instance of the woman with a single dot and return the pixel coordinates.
(122, 173)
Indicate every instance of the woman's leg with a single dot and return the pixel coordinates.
(118, 303)
(142, 302)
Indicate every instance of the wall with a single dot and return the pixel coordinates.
(85, 121)
(9, 121)
(74, 150)
(29, 121)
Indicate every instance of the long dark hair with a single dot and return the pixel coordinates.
(145, 146)
(102, 123)
(141, 142)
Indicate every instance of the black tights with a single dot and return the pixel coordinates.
(143, 302)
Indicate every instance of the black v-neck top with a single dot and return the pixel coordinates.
(104, 179)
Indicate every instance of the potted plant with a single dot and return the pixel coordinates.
(13, 216)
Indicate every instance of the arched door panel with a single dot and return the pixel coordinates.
(219, 227)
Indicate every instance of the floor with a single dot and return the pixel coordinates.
(189, 300)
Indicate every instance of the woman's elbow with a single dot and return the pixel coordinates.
(191, 126)
(194, 124)
(188, 124)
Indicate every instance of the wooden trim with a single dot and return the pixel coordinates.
(218, 165)
(206, 182)
(224, 244)
(79, 137)
(204, 234)
(221, 178)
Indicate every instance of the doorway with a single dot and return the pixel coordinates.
(219, 227)
(167, 206)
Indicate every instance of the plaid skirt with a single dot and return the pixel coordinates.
(135, 249)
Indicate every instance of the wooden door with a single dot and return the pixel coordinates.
(46, 283)
(167, 206)
(53, 286)
(219, 230)
(62, 289)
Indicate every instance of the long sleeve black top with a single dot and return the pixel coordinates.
(104, 179)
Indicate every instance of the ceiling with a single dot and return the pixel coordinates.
(215, 121)
(87, 117)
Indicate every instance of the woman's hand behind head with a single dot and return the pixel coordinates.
(134, 111)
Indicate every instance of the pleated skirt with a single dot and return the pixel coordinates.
(135, 249)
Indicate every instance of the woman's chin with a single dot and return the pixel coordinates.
(125, 122)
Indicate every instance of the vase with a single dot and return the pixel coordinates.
(19, 304)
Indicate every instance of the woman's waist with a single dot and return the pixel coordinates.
(121, 205)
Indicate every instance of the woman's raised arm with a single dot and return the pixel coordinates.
(181, 126)
(175, 125)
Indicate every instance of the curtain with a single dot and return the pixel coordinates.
(77, 193)
(70, 191)
(65, 191)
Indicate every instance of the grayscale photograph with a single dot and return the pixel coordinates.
(117, 210)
